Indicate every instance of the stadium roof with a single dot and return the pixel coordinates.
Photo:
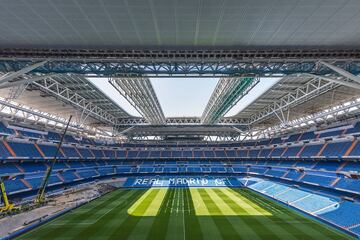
(49, 50)
(175, 23)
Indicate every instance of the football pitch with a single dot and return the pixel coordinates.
(183, 213)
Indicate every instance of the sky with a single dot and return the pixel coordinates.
(184, 97)
(111, 92)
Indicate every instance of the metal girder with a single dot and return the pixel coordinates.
(174, 68)
(312, 119)
(341, 71)
(181, 132)
(24, 81)
(18, 111)
(311, 89)
(180, 121)
(226, 94)
(342, 81)
(210, 54)
(10, 76)
(59, 91)
(141, 95)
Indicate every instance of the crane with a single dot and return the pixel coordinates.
(40, 199)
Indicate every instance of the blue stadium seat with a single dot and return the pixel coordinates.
(341, 216)
(311, 150)
(254, 153)
(85, 152)
(293, 137)
(316, 178)
(336, 149)
(331, 133)
(349, 184)
(6, 168)
(307, 136)
(351, 166)
(25, 150)
(13, 186)
(264, 152)
(98, 153)
(292, 151)
(277, 152)
(6, 131)
(70, 152)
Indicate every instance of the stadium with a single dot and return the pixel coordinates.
(191, 119)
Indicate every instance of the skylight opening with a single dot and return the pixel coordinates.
(183, 97)
(103, 85)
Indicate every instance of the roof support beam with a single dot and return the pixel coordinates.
(25, 81)
(226, 94)
(15, 110)
(125, 67)
(342, 109)
(311, 89)
(59, 91)
(11, 76)
(341, 71)
(342, 81)
(141, 95)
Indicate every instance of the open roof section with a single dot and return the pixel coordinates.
(183, 97)
(175, 23)
(295, 96)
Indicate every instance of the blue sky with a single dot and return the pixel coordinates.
(184, 97)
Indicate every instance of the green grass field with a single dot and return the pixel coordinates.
(183, 213)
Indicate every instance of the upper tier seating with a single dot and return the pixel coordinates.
(292, 151)
(354, 130)
(4, 153)
(293, 137)
(6, 131)
(311, 150)
(307, 136)
(53, 136)
(30, 134)
(25, 150)
(330, 133)
(50, 150)
(336, 149)
(85, 153)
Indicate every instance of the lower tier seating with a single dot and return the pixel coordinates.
(31, 173)
(341, 212)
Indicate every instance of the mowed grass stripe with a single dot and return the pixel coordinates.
(302, 224)
(71, 220)
(103, 227)
(130, 223)
(225, 228)
(247, 206)
(192, 225)
(156, 203)
(260, 224)
(226, 205)
(276, 220)
(151, 203)
(199, 204)
(208, 226)
(160, 225)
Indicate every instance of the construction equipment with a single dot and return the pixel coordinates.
(7, 205)
(40, 199)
